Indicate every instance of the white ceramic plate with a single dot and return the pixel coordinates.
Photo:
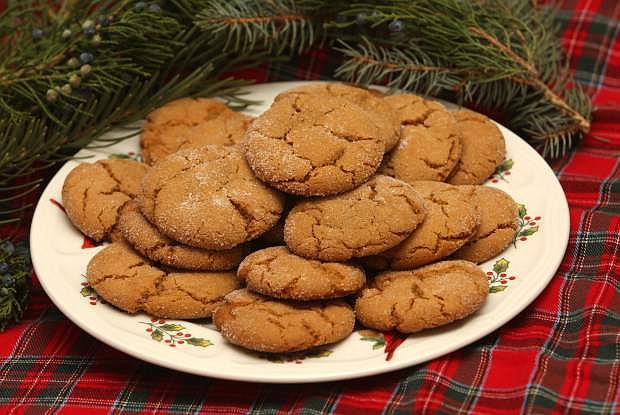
(517, 277)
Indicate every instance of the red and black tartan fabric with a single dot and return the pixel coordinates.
(560, 355)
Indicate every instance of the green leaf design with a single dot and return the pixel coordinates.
(522, 211)
(157, 335)
(497, 288)
(318, 353)
(171, 327)
(86, 291)
(501, 265)
(379, 342)
(119, 156)
(529, 231)
(505, 166)
(197, 341)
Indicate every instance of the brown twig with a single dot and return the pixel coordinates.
(388, 65)
(260, 19)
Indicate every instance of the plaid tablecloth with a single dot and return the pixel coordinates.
(560, 355)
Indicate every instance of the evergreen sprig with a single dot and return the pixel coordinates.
(499, 54)
(277, 26)
(14, 281)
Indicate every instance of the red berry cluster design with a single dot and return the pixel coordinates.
(173, 334)
(502, 171)
(527, 226)
(498, 278)
(89, 293)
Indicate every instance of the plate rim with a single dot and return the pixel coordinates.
(550, 269)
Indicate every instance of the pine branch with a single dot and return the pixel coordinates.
(503, 55)
(278, 26)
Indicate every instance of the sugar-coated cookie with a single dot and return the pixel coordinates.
(277, 272)
(431, 296)
(145, 238)
(365, 221)
(209, 198)
(498, 223)
(132, 283)
(483, 148)
(430, 144)
(380, 114)
(451, 220)
(189, 123)
(314, 145)
(264, 324)
(93, 193)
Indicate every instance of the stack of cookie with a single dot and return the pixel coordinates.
(344, 181)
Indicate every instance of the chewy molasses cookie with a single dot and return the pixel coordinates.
(430, 144)
(365, 221)
(381, 115)
(189, 123)
(278, 273)
(451, 220)
(145, 238)
(263, 324)
(314, 145)
(498, 223)
(209, 198)
(132, 283)
(431, 296)
(93, 194)
(483, 148)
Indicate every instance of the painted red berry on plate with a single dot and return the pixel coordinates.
(504, 282)
(181, 341)
(537, 218)
(149, 329)
(188, 335)
(527, 218)
(512, 278)
(523, 238)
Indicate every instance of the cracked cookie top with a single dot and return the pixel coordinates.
(189, 123)
(209, 198)
(498, 223)
(150, 242)
(431, 296)
(484, 148)
(430, 144)
(380, 114)
(92, 194)
(314, 145)
(365, 221)
(451, 220)
(264, 324)
(132, 283)
(278, 273)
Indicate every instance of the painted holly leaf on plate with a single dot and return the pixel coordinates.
(501, 265)
(171, 327)
(197, 341)
(498, 278)
(527, 226)
(157, 335)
